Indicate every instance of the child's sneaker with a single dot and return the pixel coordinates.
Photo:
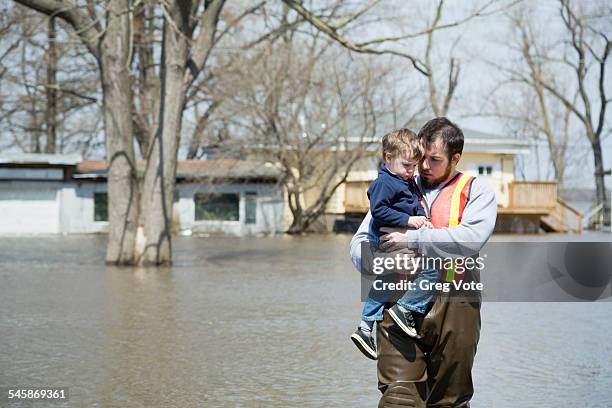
(365, 344)
(404, 319)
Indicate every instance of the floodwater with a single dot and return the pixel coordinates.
(254, 322)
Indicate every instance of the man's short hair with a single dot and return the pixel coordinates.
(442, 128)
(402, 141)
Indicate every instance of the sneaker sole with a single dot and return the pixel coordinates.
(408, 330)
(363, 347)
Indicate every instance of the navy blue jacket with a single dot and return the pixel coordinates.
(392, 201)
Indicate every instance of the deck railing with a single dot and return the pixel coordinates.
(532, 194)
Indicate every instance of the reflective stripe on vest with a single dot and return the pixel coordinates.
(457, 204)
(447, 208)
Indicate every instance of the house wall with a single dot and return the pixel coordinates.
(503, 171)
(77, 208)
(269, 210)
(365, 169)
(32, 207)
(39, 207)
(29, 207)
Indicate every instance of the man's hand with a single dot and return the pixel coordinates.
(416, 222)
(393, 237)
(395, 246)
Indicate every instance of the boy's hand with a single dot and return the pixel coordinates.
(427, 224)
(416, 222)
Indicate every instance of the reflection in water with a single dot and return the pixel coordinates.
(254, 322)
(140, 322)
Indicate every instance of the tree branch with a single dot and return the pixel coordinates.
(204, 41)
(333, 34)
(235, 21)
(82, 24)
(435, 27)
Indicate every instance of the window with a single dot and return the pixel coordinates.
(216, 207)
(485, 170)
(250, 208)
(100, 207)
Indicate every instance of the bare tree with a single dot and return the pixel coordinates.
(51, 85)
(583, 59)
(561, 83)
(145, 75)
(587, 42)
(306, 111)
(140, 216)
(209, 127)
(537, 114)
(41, 99)
(440, 104)
(10, 42)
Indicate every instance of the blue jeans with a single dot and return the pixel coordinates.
(415, 300)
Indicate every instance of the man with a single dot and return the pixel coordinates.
(435, 368)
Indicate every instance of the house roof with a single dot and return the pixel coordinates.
(195, 169)
(475, 142)
(41, 158)
(481, 142)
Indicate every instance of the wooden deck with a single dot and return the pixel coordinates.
(537, 203)
(532, 194)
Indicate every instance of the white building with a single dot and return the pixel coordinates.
(52, 194)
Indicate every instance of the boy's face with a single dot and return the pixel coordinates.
(402, 165)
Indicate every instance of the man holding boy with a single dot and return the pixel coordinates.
(434, 369)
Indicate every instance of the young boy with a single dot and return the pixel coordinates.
(394, 203)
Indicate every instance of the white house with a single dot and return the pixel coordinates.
(51, 194)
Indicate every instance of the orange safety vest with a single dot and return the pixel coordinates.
(447, 208)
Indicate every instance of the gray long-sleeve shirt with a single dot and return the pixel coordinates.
(465, 239)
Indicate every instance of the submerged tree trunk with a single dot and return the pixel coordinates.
(160, 174)
(123, 192)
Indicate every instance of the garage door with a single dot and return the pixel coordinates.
(29, 211)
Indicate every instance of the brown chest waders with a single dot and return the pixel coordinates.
(435, 369)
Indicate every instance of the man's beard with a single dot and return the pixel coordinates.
(429, 184)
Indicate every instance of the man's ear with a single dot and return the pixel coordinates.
(455, 158)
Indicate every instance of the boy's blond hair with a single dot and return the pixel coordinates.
(401, 141)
